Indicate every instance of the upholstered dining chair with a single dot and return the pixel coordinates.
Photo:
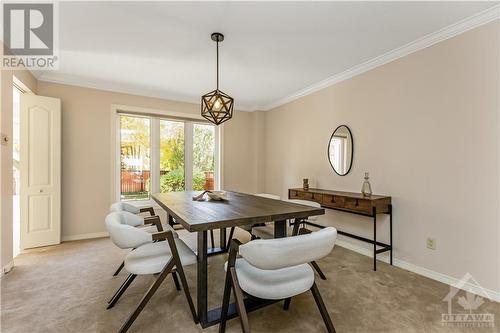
(267, 231)
(124, 206)
(248, 228)
(156, 254)
(150, 223)
(275, 269)
(135, 221)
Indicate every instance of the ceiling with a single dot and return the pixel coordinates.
(272, 49)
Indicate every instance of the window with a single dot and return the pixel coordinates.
(135, 157)
(172, 156)
(165, 155)
(203, 156)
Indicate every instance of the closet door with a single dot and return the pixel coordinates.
(40, 166)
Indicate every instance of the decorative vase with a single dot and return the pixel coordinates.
(305, 184)
(209, 181)
(366, 189)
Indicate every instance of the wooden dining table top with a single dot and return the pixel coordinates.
(239, 209)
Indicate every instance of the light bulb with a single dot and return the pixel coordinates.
(217, 105)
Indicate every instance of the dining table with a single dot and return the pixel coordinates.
(240, 209)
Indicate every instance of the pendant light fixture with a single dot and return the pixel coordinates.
(217, 106)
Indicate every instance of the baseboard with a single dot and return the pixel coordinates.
(7, 268)
(85, 236)
(443, 278)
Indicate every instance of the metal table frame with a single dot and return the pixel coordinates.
(211, 317)
(383, 246)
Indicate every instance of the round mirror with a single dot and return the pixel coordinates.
(340, 150)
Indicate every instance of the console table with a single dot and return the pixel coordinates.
(354, 203)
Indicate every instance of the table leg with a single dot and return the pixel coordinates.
(374, 239)
(390, 229)
(280, 229)
(171, 220)
(202, 277)
(222, 240)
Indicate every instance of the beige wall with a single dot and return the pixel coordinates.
(426, 127)
(6, 185)
(86, 151)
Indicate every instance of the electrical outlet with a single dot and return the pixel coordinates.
(431, 243)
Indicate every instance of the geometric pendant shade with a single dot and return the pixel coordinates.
(217, 106)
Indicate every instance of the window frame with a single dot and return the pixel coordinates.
(155, 116)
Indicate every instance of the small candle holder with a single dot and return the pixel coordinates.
(305, 184)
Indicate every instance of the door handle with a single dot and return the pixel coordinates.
(40, 191)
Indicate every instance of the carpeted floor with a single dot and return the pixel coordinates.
(64, 288)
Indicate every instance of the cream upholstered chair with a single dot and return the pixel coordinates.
(123, 206)
(248, 228)
(267, 195)
(275, 269)
(152, 255)
(267, 231)
(135, 221)
(150, 224)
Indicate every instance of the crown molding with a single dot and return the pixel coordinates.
(77, 81)
(450, 31)
(474, 21)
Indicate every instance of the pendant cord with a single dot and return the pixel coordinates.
(217, 65)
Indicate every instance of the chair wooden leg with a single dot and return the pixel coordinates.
(322, 308)
(121, 290)
(119, 268)
(230, 237)
(296, 226)
(225, 303)
(286, 305)
(176, 281)
(185, 286)
(116, 292)
(145, 299)
(315, 265)
(239, 300)
(180, 270)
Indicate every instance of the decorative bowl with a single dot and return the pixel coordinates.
(218, 195)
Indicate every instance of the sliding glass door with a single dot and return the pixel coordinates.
(203, 157)
(165, 155)
(172, 157)
(135, 157)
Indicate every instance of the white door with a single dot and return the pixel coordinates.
(40, 171)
